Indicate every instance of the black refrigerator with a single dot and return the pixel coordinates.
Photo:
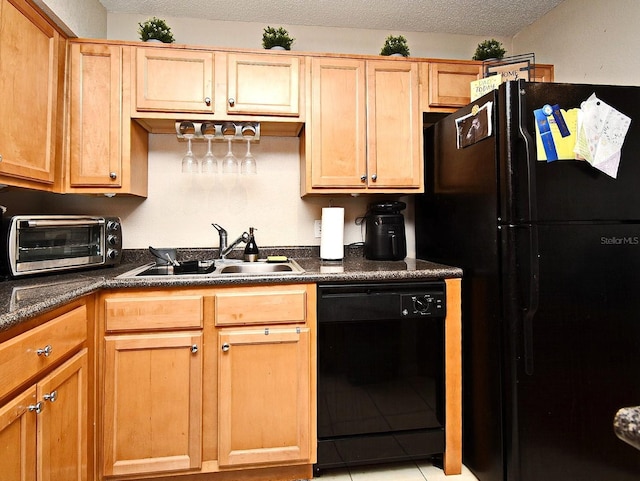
(551, 288)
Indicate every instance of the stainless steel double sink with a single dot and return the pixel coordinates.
(217, 268)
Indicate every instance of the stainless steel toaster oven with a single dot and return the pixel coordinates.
(38, 244)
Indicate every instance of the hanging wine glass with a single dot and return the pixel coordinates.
(229, 162)
(189, 161)
(209, 161)
(248, 165)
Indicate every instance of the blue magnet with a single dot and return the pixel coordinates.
(547, 109)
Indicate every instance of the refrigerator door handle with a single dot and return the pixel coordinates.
(534, 268)
(533, 295)
(530, 152)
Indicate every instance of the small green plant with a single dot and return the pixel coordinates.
(395, 45)
(489, 49)
(276, 37)
(155, 28)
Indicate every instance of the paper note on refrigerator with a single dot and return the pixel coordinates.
(601, 133)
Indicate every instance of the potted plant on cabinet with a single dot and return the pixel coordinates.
(395, 46)
(155, 29)
(276, 38)
(489, 49)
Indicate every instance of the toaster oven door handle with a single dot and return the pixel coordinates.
(60, 222)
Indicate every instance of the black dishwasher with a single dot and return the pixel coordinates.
(380, 372)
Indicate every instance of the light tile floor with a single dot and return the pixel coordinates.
(421, 471)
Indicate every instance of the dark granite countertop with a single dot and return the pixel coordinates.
(22, 299)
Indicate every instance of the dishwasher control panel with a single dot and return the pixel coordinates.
(423, 304)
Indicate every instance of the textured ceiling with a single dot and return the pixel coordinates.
(471, 17)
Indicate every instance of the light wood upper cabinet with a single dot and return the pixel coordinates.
(364, 127)
(543, 73)
(263, 84)
(394, 133)
(446, 85)
(31, 65)
(336, 126)
(107, 152)
(172, 80)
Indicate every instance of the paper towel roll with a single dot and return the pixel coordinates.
(332, 237)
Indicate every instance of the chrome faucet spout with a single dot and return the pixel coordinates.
(243, 238)
(222, 233)
(224, 248)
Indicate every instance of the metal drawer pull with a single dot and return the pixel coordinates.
(51, 397)
(194, 348)
(207, 100)
(225, 347)
(45, 351)
(37, 407)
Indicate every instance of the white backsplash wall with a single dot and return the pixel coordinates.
(180, 208)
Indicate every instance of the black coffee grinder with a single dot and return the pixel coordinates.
(385, 239)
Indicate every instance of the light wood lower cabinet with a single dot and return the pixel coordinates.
(45, 400)
(208, 380)
(152, 403)
(264, 408)
(43, 431)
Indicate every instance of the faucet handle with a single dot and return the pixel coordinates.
(219, 228)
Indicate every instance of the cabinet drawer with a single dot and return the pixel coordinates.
(20, 359)
(155, 313)
(273, 304)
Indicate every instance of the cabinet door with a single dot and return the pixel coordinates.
(174, 80)
(62, 424)
(264, 405)
(18, 438)
(394, 131)
(152, 403)
(29, 53)
(263, 84)
(337, 124)
(542, 73)
(449, 84)
(95, 140)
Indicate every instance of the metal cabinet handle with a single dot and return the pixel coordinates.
(51, 397)
(374, 177)
(207, 100)
(113, 175)
(45, 351)
(232, 101)
(0, 157)
(226, 347)
(37, 407)
(363, 178)
(194, 348)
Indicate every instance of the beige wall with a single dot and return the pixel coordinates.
(587, 41)
(78, 18)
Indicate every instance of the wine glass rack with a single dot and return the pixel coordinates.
(235, 131)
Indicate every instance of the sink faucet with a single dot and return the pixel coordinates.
(224, 248)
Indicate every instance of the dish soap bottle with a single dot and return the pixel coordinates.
(251, 249)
